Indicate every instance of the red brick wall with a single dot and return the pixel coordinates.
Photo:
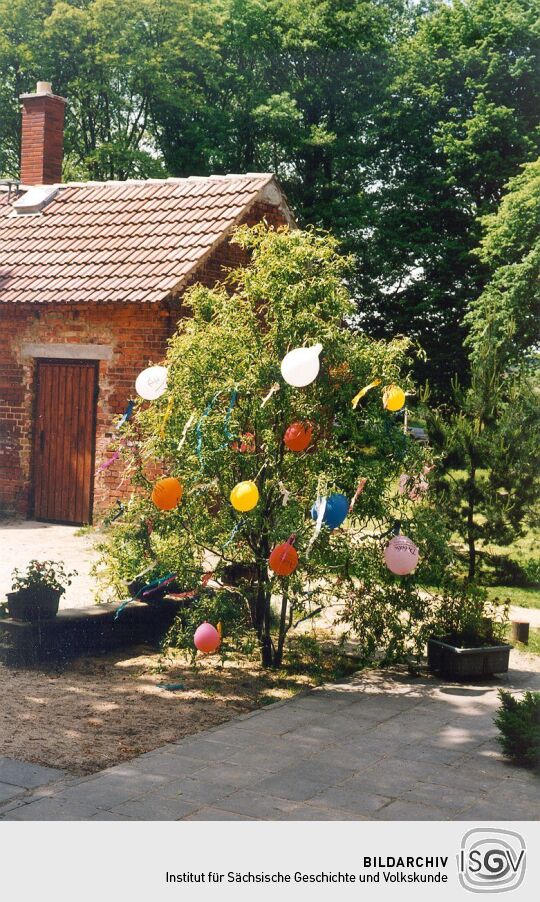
(138, 335)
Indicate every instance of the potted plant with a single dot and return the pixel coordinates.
(467, 640)
(36, 592)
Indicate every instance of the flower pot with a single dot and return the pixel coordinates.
(35, 603)
(456, 663)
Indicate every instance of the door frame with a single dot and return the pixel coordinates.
(67, 361)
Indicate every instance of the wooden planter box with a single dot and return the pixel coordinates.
(455, 663)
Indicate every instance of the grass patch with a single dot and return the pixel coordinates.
(525, 598)
(533, 648)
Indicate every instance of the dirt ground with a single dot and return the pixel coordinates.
(99, 711)
(95, 712)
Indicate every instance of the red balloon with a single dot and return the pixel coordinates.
(283, 559)
(298, 436)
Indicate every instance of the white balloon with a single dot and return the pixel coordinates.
(152, 382)
(301, 366)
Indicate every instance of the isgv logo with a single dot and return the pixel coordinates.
(491, 861)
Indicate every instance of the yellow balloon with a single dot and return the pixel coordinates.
(393, 398)
(244, 496)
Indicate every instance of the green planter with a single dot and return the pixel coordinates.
(36, 603)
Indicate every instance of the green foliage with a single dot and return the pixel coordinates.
(468, 618)
(519, 723)
(504, 320)
(42, 574)
(457, 121)
(292, 294)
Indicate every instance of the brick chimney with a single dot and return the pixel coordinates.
(42, 145)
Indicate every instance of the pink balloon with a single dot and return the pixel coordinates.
(206, 638)
(401, 555)
(412, 486)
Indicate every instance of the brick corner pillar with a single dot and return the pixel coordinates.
(42, 143)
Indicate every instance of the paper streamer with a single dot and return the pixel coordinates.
(166, 417)
(185, 430)
(286, 494)
(276, 386)
(108, 462)
(226, 430)
(192, 593)
(198, 430)
(363, 391)
(233, 533)
(148, 589)
(126, 415)
(321, 502)
(359, 490)
(120, 511)
(158, 584)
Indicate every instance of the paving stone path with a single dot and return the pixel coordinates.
(383, 746)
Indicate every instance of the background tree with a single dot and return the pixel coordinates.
(487, 445)
(291, 295)
(459, 118)
(490, 442)
(505, 319)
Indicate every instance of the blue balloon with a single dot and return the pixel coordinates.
(337, 508)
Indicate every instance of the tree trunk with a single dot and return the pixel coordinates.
(471, 494)
(278, 657)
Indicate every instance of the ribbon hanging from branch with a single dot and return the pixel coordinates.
(166, 417)
(233, 533)
(126, 415)
(198, 430)
(148, 589)
(363, 391)
(226, 431)
(120, 511)
(273, 390)
(185, 430)
(108, 463)
(359, 490)
(321, 510)
(285, 493)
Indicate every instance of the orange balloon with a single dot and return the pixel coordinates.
(283, 559)
(298, 436)
(167, 493)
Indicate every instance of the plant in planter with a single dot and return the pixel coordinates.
(36, 591)
(467, 636)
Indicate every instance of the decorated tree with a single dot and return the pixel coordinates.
(272, 474)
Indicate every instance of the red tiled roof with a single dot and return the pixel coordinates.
(120, 241)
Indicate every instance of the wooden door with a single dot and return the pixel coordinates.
(64, 440)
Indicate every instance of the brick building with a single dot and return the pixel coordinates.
(91, 282)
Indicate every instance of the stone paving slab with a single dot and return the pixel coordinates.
(25, 775)
(382, 746)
